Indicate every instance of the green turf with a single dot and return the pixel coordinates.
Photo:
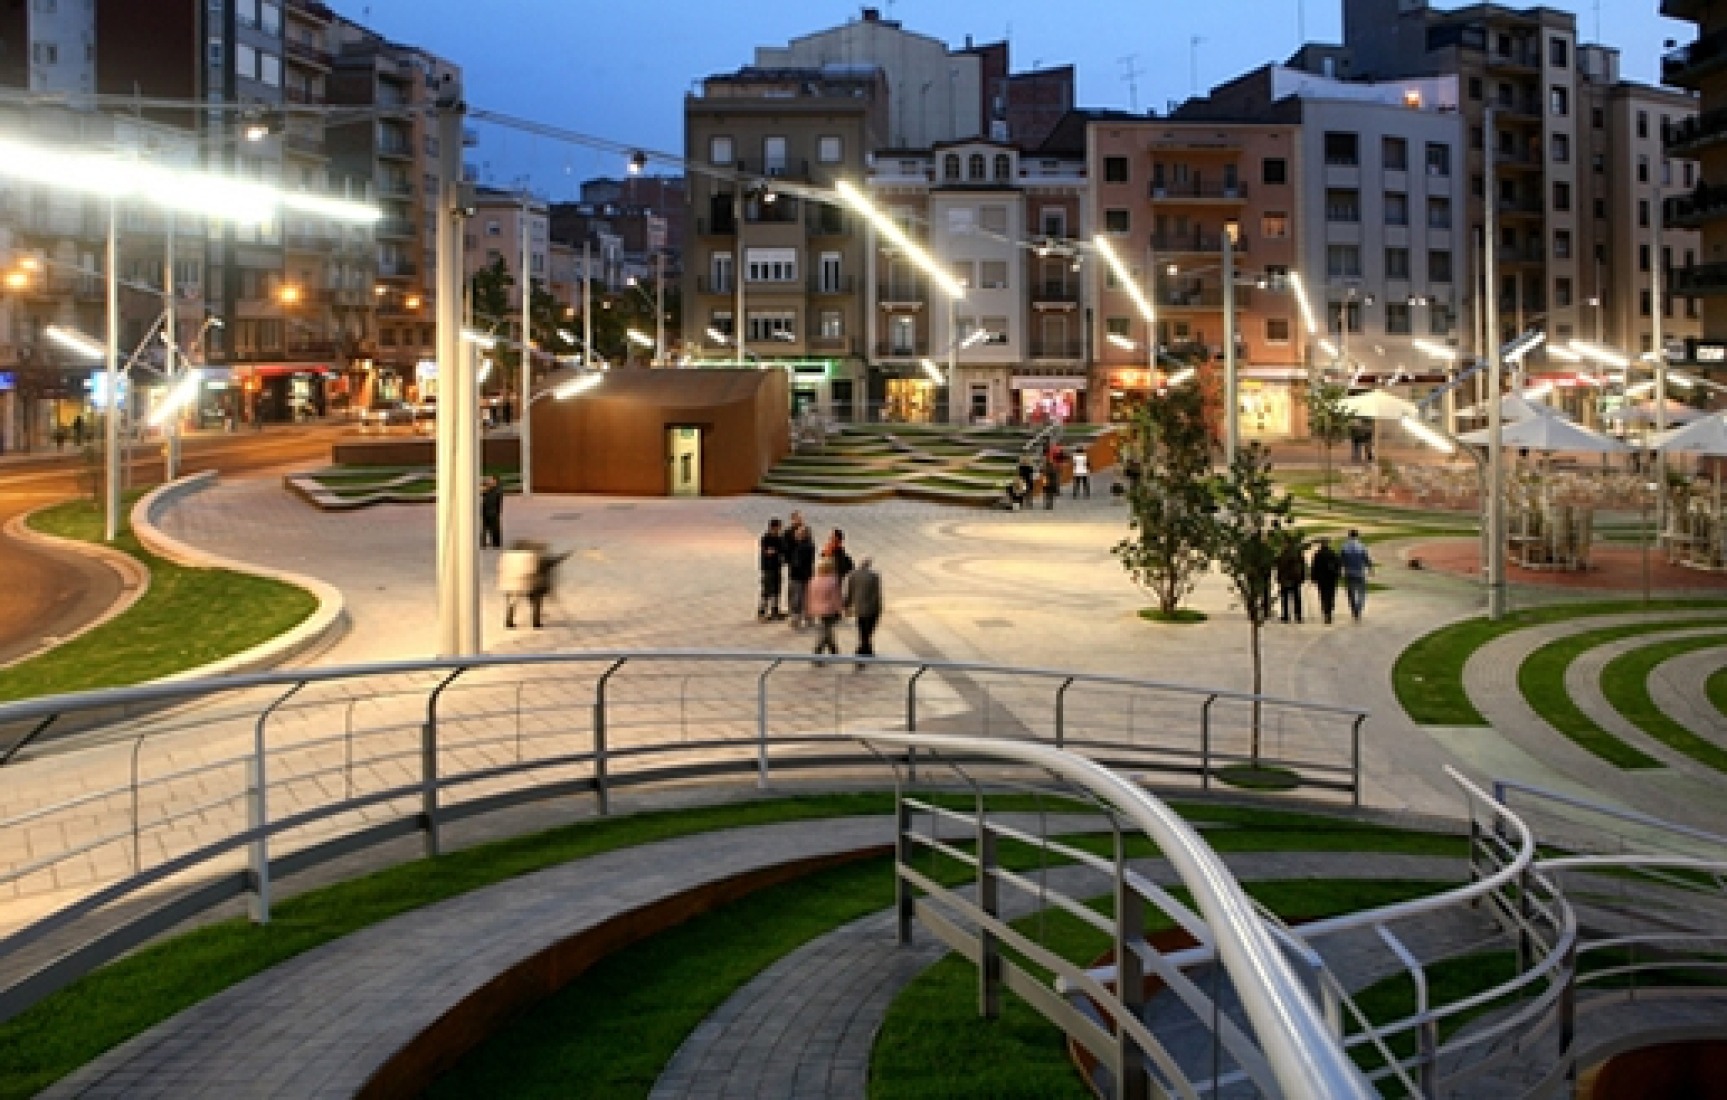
(187, 618)
(106, 1008)
(1541, 679)
(1716, 690)
(1448, 981)
(1181, 615)
(1625, 683)
(1428, 675)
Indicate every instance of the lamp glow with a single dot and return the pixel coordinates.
(1329, 348)
(480, 339)
(76, 342)
(1563, 354)
(1437, 351)
(178, 398)
(934, 372)
(886, 227)
(977, 337)
(1301, 300)
(1121, 341)
(640, 339)
(1523, 345)
(579, 384)
(1183, 375)
(1427, 435)
(1123, 277)
(1605, 356)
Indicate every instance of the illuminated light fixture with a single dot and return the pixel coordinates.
(1121, 341)
(1427, 435)
(17, 280)
(579, 384)
(290, 294)
(30, 263)
(1436, 350)
(1301, 301)
(485, 370)
(76, 342)
(1412, 98)
(717, 336)
(638, 162)
(1125, 278)
(480, 339)
(977, 336)
(412, 301)
(641, 340)
(1563, 354)
(1605, 356)
(568, 336)
(1680, 379)
(1183, 375)
(257, 131)
(380, 290)
(1329, 348)
(182, 395)
(897, 237)
(1523, 345)
(934, 372)
(1639, 389)
(1537, 391)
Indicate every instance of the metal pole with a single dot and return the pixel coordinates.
(524, 433)
(1658, 342)
(1495, 413)
(458, 459)
(952, 345)
(738, 270)
(660, 308)
(587, 305)
(171, 327)
(1231, 398)
(111, 493)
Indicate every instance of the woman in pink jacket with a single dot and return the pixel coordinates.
(822, 602)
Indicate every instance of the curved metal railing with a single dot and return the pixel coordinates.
(182, 796)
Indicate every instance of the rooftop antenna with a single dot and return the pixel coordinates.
(1193, 61)
(1131, 73)
(1598, 20)
(1301, 21)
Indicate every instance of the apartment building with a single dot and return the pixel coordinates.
(1700, 68)
(755, 140)
(495, 236)
(1166, 192)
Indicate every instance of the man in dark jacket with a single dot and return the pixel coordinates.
(863, 600)
(492, 514)
(1326, 570)
(1291, 572)
(772, 562)
(800, 555)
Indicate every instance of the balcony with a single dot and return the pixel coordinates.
(1703, 205)
(1700, 280)
(308, 144)
(302, 95)
(398, 228)
(1517, 109)
(1517, 160)
(1199, 191)
(1695, 134)
(1515, 60)
(889, 349)
(396, 147)
(830, 287)
(1057, 291)
(1686, 66)
(832, 345)
(1209, 297)
(395, 188)
(910, 294)
(307, 242)
(1521, 208)
(1206, 244)
(397, 269)
(307, 53)
(1530, 254)
(1068, 350)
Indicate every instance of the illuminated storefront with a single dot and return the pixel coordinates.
(1049, 399)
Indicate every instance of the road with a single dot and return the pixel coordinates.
(46, 594)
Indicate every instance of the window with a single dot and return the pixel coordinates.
(1642, 257)
(246, 11)
(1562, 244)
(1598, 118)
(1561, 195)
(1561, 148)
(1477, 138)
(829, 150)
(832, 324)
(1343, 261)
(1274, 170)
(47, 7)
(1439, 267)
(1397, 318)
(1642, 169)
(1115, 169)
(1562, 293)
(1397, 264)
(1474, 87)
(1003, 168)
(1438, 159)
(1118, 326)
(1342, 149)
(997, 329)
(494, 228)
(902, 333)
(1395, 152)
(270, 69)
(830, 280)
(773, 324)
(1115, 221)
(1053, 219)
(1277, 330)
(1558, 102)
(974, 168)
(1396, 208)
(1342, 206)
(1643, 301)
(950, 167)
(1642, 124)
(1643, 213)
(1439, 213)
(270, 17)
(1558, 53)
(1598, 163)
(771, 265)
(719, 150)
(1349, 313)
(992, 275)
(963, 273)
(774, 157)
(47, 53)
(1274, 225)
(246, 61)
(992, 219)
(1439, 319)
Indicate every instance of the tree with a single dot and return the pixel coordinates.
(1252, 530)
(1169, 509)
(1327, 421)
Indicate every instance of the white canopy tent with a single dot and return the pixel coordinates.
(1548, 433)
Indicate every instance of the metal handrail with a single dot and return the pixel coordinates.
(1304, 1056)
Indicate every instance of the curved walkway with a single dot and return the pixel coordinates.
(1583, 683)
(1679, 687)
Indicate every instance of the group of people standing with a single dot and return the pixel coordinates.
(820, 587)
(1350, 563)
(1045, 471)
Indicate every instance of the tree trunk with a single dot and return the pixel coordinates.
(1258, 676)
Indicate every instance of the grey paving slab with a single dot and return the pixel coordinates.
(1678, 687)
(1583, 684)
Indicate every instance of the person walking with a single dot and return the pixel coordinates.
(771, 561)
(800, 557)
(836, 550)
(1325, 570)
(528, 570)
(1051, 482)
(1081, 473)
(863, 600)
(824, 603)
(492, 514)
(1357, 564)
(1291, 575)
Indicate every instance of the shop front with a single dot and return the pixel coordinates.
(283, 393)
(905, 395)
(1049, 399)
(1128, 389)
(1271, 402)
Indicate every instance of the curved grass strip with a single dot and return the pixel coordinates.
(1716, 691)
(1625, 683)
(188, 618)
(1541, 679)
(114, 1004)
(1428, 675)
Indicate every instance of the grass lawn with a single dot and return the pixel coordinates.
(1625, 683)
(1716, 689)
(189, 617)
(106, 1008)
(1428, 675)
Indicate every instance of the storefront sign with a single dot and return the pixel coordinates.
(1051, 382)
(1711, 353)
(8, 380)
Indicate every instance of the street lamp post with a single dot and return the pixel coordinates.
(458, 456)
(111, 430)
(1495, 411)
(524, 428)
(1658, 346)
(1231, 396)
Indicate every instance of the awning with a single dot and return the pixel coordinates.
(277, 370)
(1048, 382)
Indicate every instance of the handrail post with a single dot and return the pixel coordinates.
(911, 719)
(905, 905)
(258, 813)
(348, 750)
(602, 789)
(1355, 761)
(1061, 713)
(137, 846)
(988, 900)
(1205, 743)
(762, 724)
(429, 764)
(1131, 1082)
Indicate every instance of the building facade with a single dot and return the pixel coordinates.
(1700, 68)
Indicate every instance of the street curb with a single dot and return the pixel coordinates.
(323, 626)
(134, 578)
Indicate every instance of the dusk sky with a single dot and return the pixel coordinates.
(620, 71)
